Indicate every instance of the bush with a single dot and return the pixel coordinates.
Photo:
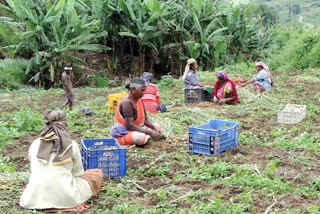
(12, 73)
(18, 124)
(99, 81)
(315, 184)
(300, 56)
(5, 40)
(238, 68)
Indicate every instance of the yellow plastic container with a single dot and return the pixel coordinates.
(114, 100)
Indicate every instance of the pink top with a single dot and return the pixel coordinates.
(152, 93)
(151, 98)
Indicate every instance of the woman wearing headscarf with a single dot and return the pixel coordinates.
(190, 76)
(151, 97)
(58, 181)
(132, 125)
(262, 80)
(225, 90)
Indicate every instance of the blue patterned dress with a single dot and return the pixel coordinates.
(262, 80)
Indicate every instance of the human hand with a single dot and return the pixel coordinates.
(158, 129)
(222, 101)
(243, 84)
(155, 135)
(225, 100)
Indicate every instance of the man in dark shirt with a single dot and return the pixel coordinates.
(67, 86)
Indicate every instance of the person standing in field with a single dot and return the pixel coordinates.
(67, 86)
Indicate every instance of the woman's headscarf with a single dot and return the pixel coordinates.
(223, 75)
(147, 76)
(266, 68)
(187, 68)
(55, 138)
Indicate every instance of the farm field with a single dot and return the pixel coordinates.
(104, 44)
(274, 170)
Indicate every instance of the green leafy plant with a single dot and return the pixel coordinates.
(19, 123)
(100, 81)
(12, 73)
(52, 32)
(143, 27)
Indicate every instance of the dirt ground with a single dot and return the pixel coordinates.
(258, 156)
(288, 169)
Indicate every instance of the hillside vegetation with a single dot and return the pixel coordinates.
(306, 11)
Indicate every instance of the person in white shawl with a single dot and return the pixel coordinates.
(58, 180)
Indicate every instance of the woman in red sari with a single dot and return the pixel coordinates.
(225, 90)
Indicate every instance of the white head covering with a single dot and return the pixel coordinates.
(67, 68)
(187, 68)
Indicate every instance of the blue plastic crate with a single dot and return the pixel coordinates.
(96, 154)
(214, 137)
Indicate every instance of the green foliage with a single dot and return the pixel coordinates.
(313, 209)
(267, 13)
(18, 124)
(166, 82)
(100, 81)
(209, 172)
(218, 33)
(315, 184)
(6, 165)
(305, 12)
(142, 26)
(300, 56)
(12, 73)
(217, 206)
(215, 32)
(51, 32)
(243, 68)
(6, 40)
(27, 121)
(157, 171)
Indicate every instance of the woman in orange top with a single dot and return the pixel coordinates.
(132, 125)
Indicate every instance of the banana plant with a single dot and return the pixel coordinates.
(206, 31)
(108, 11)
(53, 32)
(142, 16)
(241, 30)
